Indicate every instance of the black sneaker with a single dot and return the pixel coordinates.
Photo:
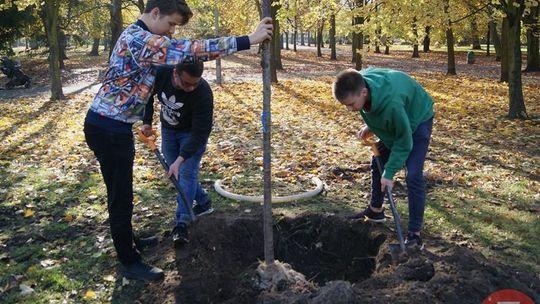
(199, 210)
(145, 243)
(180, 234)
(369, 215)
(141, 271)
(413, 240)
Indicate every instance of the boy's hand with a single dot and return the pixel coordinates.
(385, 182)
(146, 130)
(364, 133)
(262, 32)
(175, 167)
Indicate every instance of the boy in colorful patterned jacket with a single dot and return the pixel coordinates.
(121, 101)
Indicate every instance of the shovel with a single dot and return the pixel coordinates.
(151, 142)
(397, 251)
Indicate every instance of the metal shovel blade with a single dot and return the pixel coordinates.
(398, 255)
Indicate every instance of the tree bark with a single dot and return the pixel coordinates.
(116, 22)
(51, 10)
(275, 57)
(488, 38)
(268, 231)
(531, 22)
(475, 38)
(415, 53)
(62, 44)
(427, 40)
(451, 70)
(515, 85)
(219, 78)
(319, 39)
(95, 48)
(295, 35)
(358, 41)
(496, 40)
(451, 64)
(287, 40)
(378, 39)
(505, 50)
(332, 35)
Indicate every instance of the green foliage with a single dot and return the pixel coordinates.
(13, 21)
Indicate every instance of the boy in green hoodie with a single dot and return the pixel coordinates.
(400, 112)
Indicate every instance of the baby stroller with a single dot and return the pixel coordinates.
(12, 69)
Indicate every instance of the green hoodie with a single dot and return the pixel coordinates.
(398, 105)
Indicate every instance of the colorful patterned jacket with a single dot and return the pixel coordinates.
(131, 74)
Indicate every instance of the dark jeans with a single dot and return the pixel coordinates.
(188, 175)
(416, 186)
(115, 153)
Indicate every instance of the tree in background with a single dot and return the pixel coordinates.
(531, 22)
(512, 11)
(13, 21)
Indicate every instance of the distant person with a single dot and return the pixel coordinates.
(187, 108)
(400, 112)
(121, 101)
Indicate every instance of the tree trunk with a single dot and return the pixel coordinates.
(275, 57)
(116, 22)
(488, 38)
(515, 86)
(309, 38)
(51, 10)
(387, 50)
(332, 35)
(451, 70)
(268, 231)
(360, 49)
(62, 44)
(287, 40)
(95, 48)
(505, 50)
(475, 38)
(295, 35)
(319, 40)
(451, 65)
(357, 43)
(532, 24)
(533, 52)
(302, 38)
(496, 40)
(415, 54)
(378, 39)
(354, 44)
(427, 40)
(219, 78)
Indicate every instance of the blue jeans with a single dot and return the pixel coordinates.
(416, 186)
(188, 175)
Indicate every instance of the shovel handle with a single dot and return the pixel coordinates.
(150, 141)
(373, 144)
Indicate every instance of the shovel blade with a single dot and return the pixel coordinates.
(398, 255)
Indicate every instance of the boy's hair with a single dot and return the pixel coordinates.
(347, 82)
(194, 69)
(169, 7)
